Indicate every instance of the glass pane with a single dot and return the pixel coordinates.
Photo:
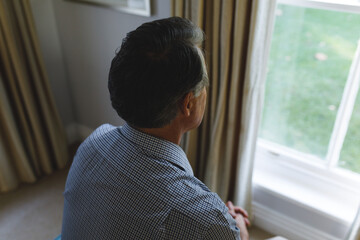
(350, 154)
(311, 54)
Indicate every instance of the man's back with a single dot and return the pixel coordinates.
(124, 184)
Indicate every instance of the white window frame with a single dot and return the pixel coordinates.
(345, 111)
(275, 163)
(352, 84)
(337, 5)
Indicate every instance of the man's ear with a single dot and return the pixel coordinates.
(187, 104)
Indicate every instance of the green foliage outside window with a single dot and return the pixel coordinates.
(310, 58)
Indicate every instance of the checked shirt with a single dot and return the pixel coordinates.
(125, 184)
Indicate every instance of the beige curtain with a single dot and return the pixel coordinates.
(32, 140)
(213, 148)
(221, 150)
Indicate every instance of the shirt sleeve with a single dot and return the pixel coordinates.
(181, 226)
(225, 229)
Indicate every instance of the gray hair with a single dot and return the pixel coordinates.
(157, 65)
(205, 80)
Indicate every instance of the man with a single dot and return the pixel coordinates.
(135, 182)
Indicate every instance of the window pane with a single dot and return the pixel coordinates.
(350, 154)
(310, 57)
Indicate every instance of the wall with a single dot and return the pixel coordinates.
(79, 42)
(46, 27)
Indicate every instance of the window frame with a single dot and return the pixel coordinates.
(351, 89)
(273, 161)
(344, 113)
(336, 5)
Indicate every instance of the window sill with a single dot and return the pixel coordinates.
(307, 193)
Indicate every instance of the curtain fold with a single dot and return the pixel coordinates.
(32, 139)
(221, 150)
(261, 28)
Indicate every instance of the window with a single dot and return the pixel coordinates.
(312, 83)
(308, 149)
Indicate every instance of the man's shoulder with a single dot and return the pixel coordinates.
(98, 142)
(102, 130)
(102, 134)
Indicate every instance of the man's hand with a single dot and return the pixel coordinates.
(241, 217)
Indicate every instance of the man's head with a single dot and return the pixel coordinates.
(158, 65)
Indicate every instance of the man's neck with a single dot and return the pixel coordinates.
(170, 132)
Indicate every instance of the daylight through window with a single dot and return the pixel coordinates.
(312, 102)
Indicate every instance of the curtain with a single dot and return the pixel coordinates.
(32, 139)
(222, 149)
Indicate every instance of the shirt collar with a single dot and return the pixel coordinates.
(162, 148)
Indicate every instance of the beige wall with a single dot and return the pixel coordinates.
(45, 24)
